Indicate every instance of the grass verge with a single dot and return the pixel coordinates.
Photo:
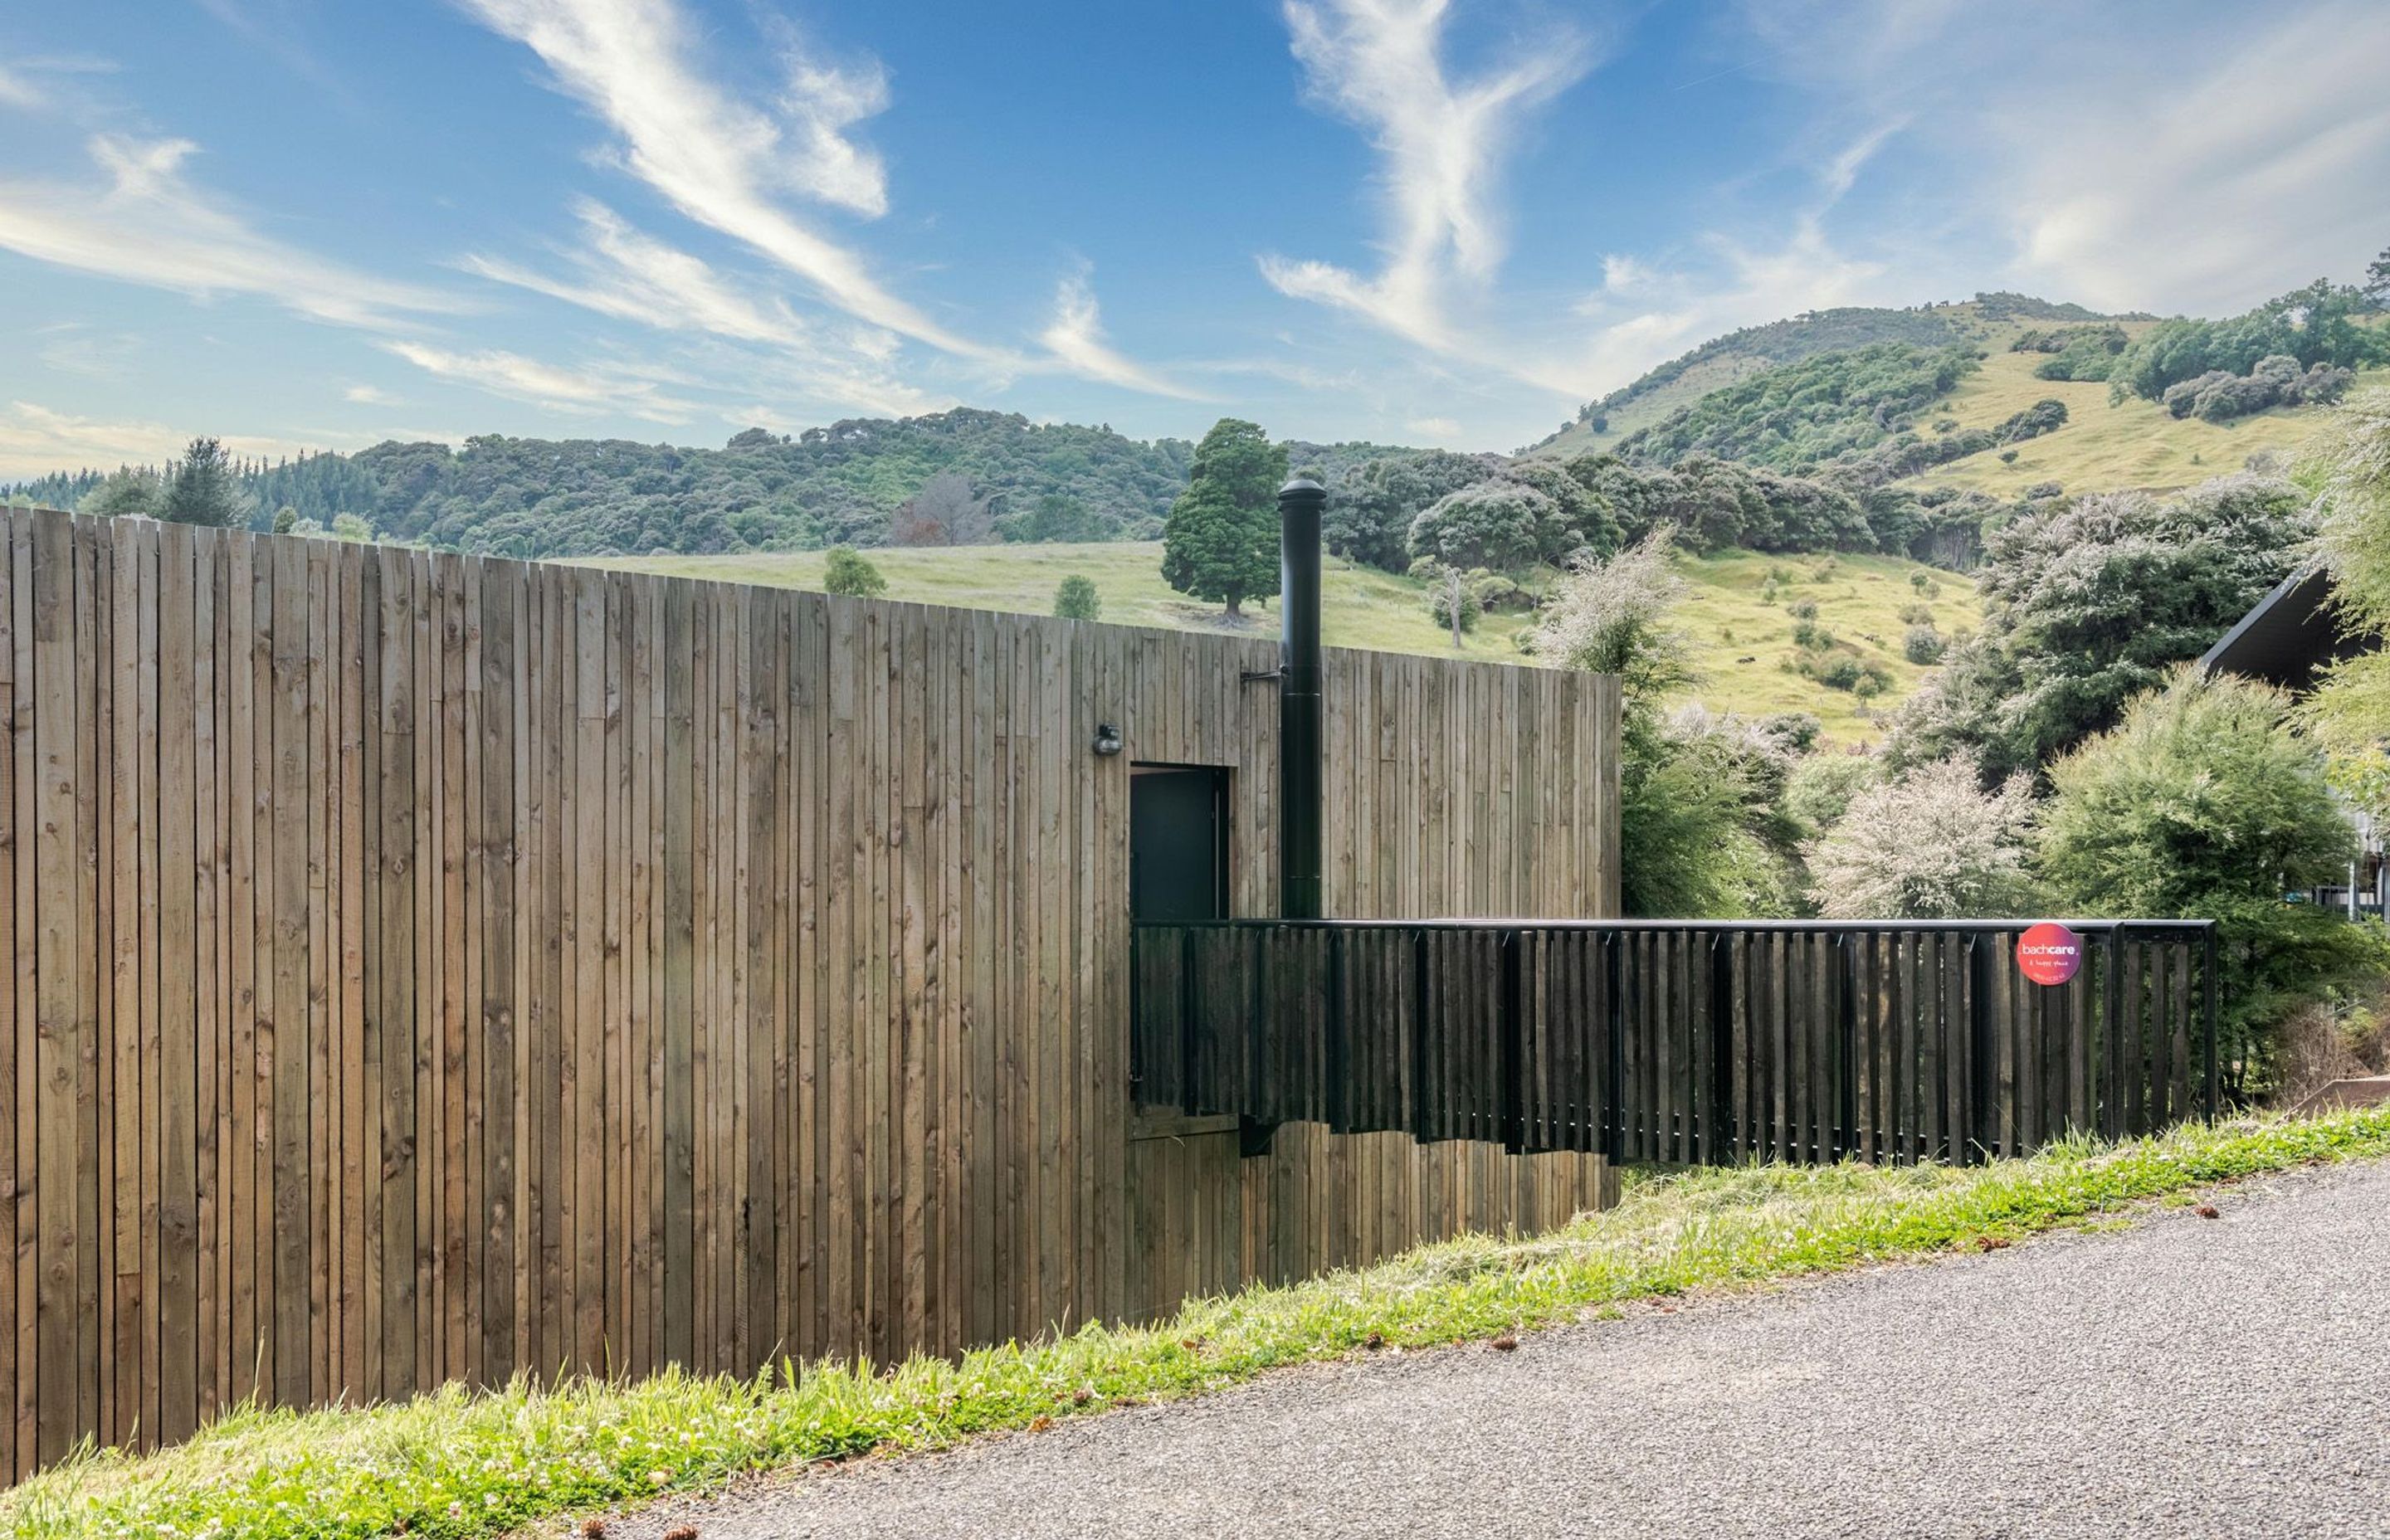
(460, 1464)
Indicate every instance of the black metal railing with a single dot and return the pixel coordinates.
(1679, 1040)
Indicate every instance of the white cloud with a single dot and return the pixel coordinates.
(1442, 429)
(723, 161)
(1381, 64)
(36, 441)
(370, 395)
(2209, 190)
(2201, 164)
(20, 93)
(72, 347)
(148, 225)
(1077, 336)
(587, 391)
(625, 274)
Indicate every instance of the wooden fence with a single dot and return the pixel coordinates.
(1681, 1041)
(429, 967)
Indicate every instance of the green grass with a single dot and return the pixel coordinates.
(1364, 607)
(2104, 448)
(1859, 600)
(458, 1464)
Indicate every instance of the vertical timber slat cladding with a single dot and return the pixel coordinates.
(1778, 1027)
(435, 967)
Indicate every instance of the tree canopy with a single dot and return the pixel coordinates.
(2090, 601)
(2201, 804)
(1220, 541)
(201, 488)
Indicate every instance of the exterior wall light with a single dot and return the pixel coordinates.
(1108, 740)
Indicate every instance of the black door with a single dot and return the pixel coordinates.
(1178, 843)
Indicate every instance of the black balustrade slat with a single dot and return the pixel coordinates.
(1675, 1042)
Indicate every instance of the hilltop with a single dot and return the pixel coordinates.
(1728, 360)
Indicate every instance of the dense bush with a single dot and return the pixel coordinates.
(2275, 380)
(2090, 602)
(2201, 804)
(1923, 644)
(2350, 710)
(846, 571)
(1076, 599)
(1805, 414)
(1929, 845)
(2320, 324)
(838, 484)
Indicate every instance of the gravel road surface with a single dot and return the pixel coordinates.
(2185, 1377)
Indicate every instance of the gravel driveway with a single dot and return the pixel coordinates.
(2186, 1377)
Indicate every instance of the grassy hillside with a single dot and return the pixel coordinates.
(1990, 319)
(2134, 444)
(1858, 599)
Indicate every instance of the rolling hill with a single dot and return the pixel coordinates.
(2104, 448)
(1742, 640)
(1988, 320)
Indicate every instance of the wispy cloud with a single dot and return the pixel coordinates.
(1382, 65)
(1077, 336)
(636, 390)
(2199, 165)
(36, 439)
(145, 223)
(625, 273)
(370, 395)
(2210, 189)
(620, 272)
(18, 90)
(275, 28)
(72, 347)
(723, 162)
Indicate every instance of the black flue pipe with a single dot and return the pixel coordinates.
(1300, 503)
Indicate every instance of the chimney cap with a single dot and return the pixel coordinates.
(1302, 486)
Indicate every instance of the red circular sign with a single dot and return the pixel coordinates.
(2049, 952)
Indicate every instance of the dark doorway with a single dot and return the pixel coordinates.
(1178, 842)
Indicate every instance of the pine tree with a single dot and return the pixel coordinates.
(203, 489)
(1220, 541)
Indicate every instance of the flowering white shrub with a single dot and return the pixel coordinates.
(1931, 844)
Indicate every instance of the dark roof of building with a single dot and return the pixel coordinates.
(2288, 636)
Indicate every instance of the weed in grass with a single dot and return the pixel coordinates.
(458, 1464)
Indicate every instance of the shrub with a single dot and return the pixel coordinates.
(1917, 614)
(1923, 644)
(1803, 610)
(2202, 804)
(1929, 845)
(2008, 457)
(1439, 606)
(1076, 599)
(1819, 789)
(1768, 592)
(1811, 636)
(844, 571)
(1839, 673)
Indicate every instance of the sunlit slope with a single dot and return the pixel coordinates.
(2102, 448)
(1858, 598)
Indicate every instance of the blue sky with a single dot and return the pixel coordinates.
(304, 223)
